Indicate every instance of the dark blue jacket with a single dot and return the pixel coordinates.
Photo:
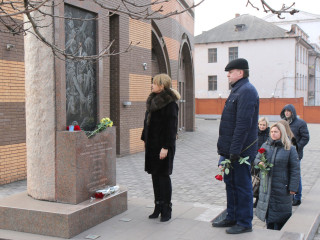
(298, 127)
(239, 120)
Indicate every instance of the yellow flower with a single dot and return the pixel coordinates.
(105, 120)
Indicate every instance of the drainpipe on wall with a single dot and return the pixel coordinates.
(295, 68)
(315, 76)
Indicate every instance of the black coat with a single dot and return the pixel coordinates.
(263, 136)
(239, 120)
(298, 127)
(284, 176)
(160, 131)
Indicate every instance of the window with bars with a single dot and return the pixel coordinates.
(233, 53)
(212, 55)
(212, 83)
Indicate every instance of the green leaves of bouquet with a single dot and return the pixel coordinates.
(226, 164)
(104, 124)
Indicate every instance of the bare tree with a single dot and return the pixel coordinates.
(267, 8)
(27, 17)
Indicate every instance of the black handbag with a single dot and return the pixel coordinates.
(255, 185)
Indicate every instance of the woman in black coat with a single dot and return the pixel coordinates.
(281, 181)
(159, 134)
(263, 131)
(263, 135)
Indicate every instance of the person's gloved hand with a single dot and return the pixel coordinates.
(234, 157)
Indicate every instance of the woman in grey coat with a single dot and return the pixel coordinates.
(282, 181)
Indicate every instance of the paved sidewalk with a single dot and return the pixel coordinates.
(193, 185)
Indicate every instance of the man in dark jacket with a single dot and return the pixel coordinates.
(238, 135)
(301, 134)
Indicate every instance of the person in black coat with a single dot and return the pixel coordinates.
(281, 181)
(238, 137)
(263, 131)
(159, 135)
(301, 134)
(263, 135)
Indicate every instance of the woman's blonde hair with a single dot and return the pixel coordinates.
(165, 81)
(264, 119)
(284, 137)
(288, 129)
(162, 80)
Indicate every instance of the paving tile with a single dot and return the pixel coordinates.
(194, 188)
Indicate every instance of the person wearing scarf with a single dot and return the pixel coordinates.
(159, 135)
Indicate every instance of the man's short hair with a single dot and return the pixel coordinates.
(245, 73)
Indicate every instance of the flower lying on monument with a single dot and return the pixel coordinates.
(98, 195)
(104, 123)
(75, 128)
(106, 191)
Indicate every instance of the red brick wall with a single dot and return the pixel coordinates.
(12, 110)
(268, 106)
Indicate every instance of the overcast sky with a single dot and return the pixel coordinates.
(212, 13)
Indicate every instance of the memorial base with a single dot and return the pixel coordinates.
(22, 213)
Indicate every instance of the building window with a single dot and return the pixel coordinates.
(212, 55)
(212, 83)
(233, 53)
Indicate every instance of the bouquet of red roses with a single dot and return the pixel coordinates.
(264, 166)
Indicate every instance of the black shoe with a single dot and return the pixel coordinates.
(166, 211)
(296, 202)
(237, 229)
(224, 223)
(157, 210)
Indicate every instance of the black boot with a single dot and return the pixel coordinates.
(157, 210)
(166, 212)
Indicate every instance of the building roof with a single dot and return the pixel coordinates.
(301, 16)
(244, 27)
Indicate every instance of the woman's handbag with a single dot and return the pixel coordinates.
(255, 185)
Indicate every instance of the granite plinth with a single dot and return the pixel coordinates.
(22, 213)
(84, 165)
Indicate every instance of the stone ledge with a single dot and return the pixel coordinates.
(306, 218)
(22, 213)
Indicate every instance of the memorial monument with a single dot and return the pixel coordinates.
(65, 168)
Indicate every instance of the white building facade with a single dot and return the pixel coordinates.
(308, 22)
(278, 60)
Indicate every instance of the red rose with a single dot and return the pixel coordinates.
(67, 128)
(261, 150)
(77, 128)
(99, 195)
(219, 177)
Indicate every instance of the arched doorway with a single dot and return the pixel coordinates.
(159, 58)
(186, 86)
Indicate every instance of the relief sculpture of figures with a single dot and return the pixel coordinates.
(80, 37)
